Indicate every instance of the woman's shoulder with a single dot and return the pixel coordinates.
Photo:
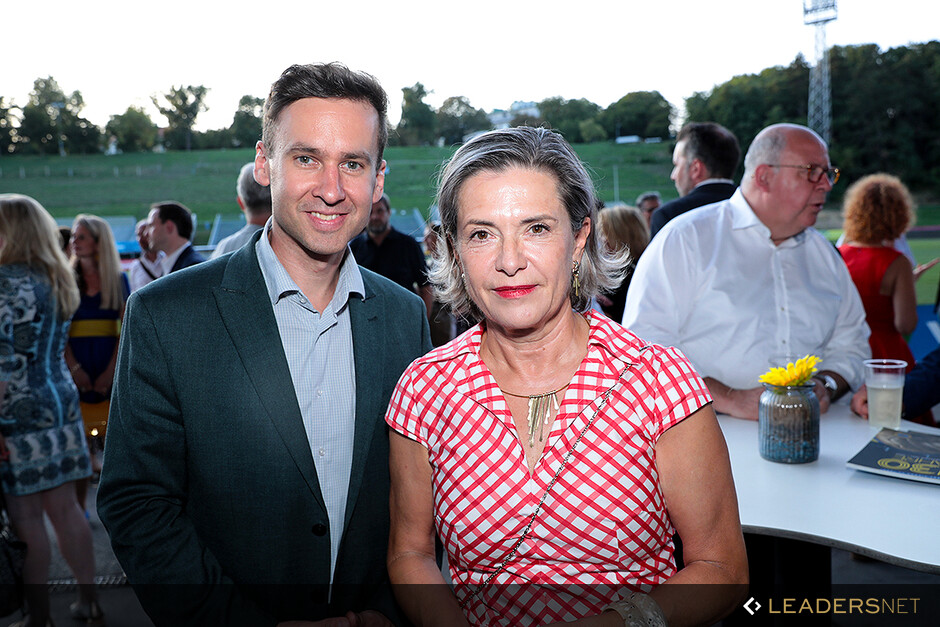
(15, 271)
(624, 344)
(447, 363)
(19, 274)
(614, 336)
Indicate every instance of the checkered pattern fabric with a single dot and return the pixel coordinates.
(603, 526)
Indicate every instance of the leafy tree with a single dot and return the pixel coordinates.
(884, 109)
(884, 114)
(643, 113)
(246, 127)
(457, 118)
(184, 105)
(38, 127)
(592, 131)
(214, 139)
(746, 104)
(566, 116)
(52, 120)
(416, 127)
(81, 136)
(133, 129)
(7, 132)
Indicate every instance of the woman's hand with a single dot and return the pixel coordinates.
(103, 384)
(82, 380)
(920, 269)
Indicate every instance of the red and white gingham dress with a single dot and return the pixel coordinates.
(603, 526)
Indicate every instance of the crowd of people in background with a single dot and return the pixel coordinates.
(364, 393)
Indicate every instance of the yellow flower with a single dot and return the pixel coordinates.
(793, 373)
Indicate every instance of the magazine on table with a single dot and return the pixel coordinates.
(904, 454)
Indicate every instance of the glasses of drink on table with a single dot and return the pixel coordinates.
(884, 379)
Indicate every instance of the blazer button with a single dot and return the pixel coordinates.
(319, 529)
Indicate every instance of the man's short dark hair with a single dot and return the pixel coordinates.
(324, 80)
(712, 144)
(178, 214)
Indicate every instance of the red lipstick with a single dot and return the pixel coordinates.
(514, 291)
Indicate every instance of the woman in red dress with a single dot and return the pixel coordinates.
(877, 210)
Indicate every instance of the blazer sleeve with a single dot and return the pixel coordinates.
(142, 493)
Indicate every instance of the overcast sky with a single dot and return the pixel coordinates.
(119, 53)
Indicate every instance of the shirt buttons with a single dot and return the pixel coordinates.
(321, 452)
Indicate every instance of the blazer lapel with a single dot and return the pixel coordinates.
(369, 357)
(246, 311)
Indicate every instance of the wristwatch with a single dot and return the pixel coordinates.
(829, 383)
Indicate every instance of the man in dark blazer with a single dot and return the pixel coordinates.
(170, 229)
(223, 470)
(704, 160)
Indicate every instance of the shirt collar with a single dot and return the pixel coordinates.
(714, 182)
(156, 264)
(280, 284)
(169, 260)
(743, 217)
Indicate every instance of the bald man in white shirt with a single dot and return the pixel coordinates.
(744, 283)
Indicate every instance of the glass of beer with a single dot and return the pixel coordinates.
(884, 379)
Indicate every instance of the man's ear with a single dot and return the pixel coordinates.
(379, 182)
(697, 171)
(262, 176)
(763, 177)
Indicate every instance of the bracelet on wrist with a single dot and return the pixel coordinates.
(75, 368)
(828, 382)
(638, 610)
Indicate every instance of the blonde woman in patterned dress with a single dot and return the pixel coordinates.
(40, 422)
(553, 452)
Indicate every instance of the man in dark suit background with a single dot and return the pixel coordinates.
(170, 229)
(247, 444)
(704, 160)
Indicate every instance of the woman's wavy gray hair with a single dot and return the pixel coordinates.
(537, 149)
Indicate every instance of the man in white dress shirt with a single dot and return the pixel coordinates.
(744, 284)
(148, 267)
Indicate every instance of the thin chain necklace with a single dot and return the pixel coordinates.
(564, 462)
(540, 406)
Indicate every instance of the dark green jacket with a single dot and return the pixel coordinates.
(209, 490)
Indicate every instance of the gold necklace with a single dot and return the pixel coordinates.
(539, 410)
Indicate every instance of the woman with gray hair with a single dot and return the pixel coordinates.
(553, 452)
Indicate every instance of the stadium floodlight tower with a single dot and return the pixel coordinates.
(818, 13)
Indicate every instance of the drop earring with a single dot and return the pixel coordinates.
(576, 279)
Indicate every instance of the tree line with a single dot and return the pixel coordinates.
(885, 108)
(884, 115)
(52, 121)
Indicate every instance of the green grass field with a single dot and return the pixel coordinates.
(205, 182)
